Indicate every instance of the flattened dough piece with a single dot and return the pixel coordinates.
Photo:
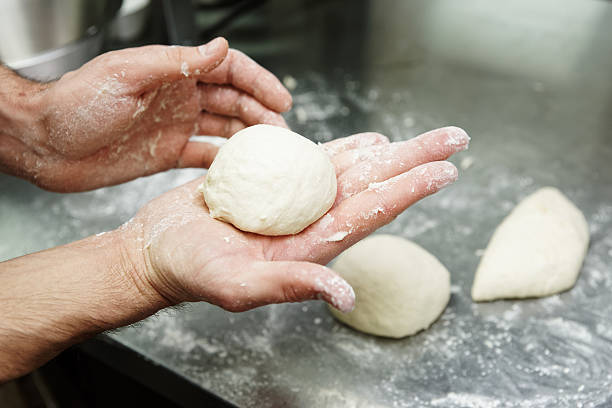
(400, 288)
(536, 251)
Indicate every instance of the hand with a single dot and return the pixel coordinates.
(183, 254)
(130, 113)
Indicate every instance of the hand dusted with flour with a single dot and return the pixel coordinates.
(130, 113)
(187, 255)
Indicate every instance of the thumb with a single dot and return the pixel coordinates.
(279, 282)
(154, 64)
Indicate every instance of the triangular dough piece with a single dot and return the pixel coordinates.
(536, 251)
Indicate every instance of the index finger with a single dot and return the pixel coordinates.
(239, 70)
(149, 66)
(357, 141)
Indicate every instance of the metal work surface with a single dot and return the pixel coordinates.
(531, 82)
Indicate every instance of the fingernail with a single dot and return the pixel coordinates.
(440, 184)
(347, 304)
(338, 293)
(444, 175)
(210, 48)
(458, 137)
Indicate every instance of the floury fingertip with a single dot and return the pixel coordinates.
(458, 137)
(337, 292)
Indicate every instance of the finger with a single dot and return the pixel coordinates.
(197, 154)
(210, 124)
(362, 214)
(264, 283)
(151, 65)
(336, 147)
(356, 141)
(229, 101)
(242, 72)
(381, 162)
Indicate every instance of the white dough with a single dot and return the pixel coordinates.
(270, 180)
(400, 288)
(536, 251)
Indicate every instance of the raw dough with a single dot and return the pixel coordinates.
(270, 180)
(400, 288)
(536, 251)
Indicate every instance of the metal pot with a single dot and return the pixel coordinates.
(45, 38)
(131, 20)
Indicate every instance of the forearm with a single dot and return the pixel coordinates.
(21, 130)
(55, 298)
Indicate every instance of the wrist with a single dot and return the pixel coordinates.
(127, 275)
(22, 133)
(21, 102)
(148, 273)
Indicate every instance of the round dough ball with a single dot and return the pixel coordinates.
(270, 180)
(400, 288)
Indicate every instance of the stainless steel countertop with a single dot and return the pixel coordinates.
(531, 82)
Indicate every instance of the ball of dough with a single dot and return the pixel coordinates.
(536, 251)
(400, 288)
(270, 180)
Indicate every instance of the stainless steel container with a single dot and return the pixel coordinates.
(45, 38)
(131, 20)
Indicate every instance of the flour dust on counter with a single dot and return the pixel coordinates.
(322, 109)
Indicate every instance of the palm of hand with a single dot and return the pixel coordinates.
(190, 256)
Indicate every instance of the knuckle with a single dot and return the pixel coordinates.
(173, 54)
(386, 205)
(233, 307)
(236, 55)
(110, 60)
(233, 126)
(292, 294)
(270, 117)
(241, 103)
(105, 58)
(345, 187)
(224, 301)
(227, 299)
(209, 155)
(379, 137)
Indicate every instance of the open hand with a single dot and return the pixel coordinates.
(130, 113)
(186, 255)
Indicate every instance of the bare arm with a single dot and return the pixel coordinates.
(55, 298)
